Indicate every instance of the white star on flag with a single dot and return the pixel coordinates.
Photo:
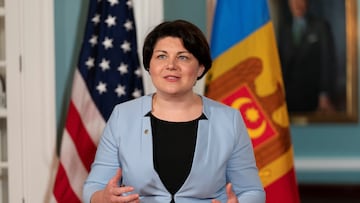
(107, 43)
(93, 41)
(125, 46)
(136, 93)
(110, 21)
(123, 68)
(101, 87)
(128, 25)
(96, 19)
(90, 62)
(138, 72)
(120, 90)
(129, 3)
(105, 64)
(113, 2)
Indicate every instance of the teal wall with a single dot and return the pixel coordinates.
(70, 19)
(196, 13)
(315, 140)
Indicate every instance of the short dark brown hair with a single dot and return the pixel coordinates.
(191, 36)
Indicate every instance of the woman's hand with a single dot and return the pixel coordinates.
(232, 198)
(113, 193)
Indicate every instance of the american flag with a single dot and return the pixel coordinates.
(108, 73)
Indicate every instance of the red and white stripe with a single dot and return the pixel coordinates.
(84, 125)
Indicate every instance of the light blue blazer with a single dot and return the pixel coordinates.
(223, 154)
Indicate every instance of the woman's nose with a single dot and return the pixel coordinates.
(171, 64)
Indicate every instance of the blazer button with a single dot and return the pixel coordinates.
(146, 131)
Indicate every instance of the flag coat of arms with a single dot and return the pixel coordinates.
(246, 74)
(108, 72)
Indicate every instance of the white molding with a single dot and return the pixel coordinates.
(38, 96)
(14, 100)
(30, 97)
(321, 164)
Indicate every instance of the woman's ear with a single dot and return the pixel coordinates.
(201, 70)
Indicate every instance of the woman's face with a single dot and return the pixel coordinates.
(173, 69)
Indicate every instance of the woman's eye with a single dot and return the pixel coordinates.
(183, 58)
(161, 57)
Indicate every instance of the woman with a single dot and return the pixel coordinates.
(174, 145)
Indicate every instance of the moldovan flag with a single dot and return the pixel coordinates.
(246, 75)
(108, 73)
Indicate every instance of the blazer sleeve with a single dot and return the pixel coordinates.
(242, 171)
(106, 160)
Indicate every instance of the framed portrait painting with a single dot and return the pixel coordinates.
(317, 43)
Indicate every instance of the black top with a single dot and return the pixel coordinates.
(173, 150)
